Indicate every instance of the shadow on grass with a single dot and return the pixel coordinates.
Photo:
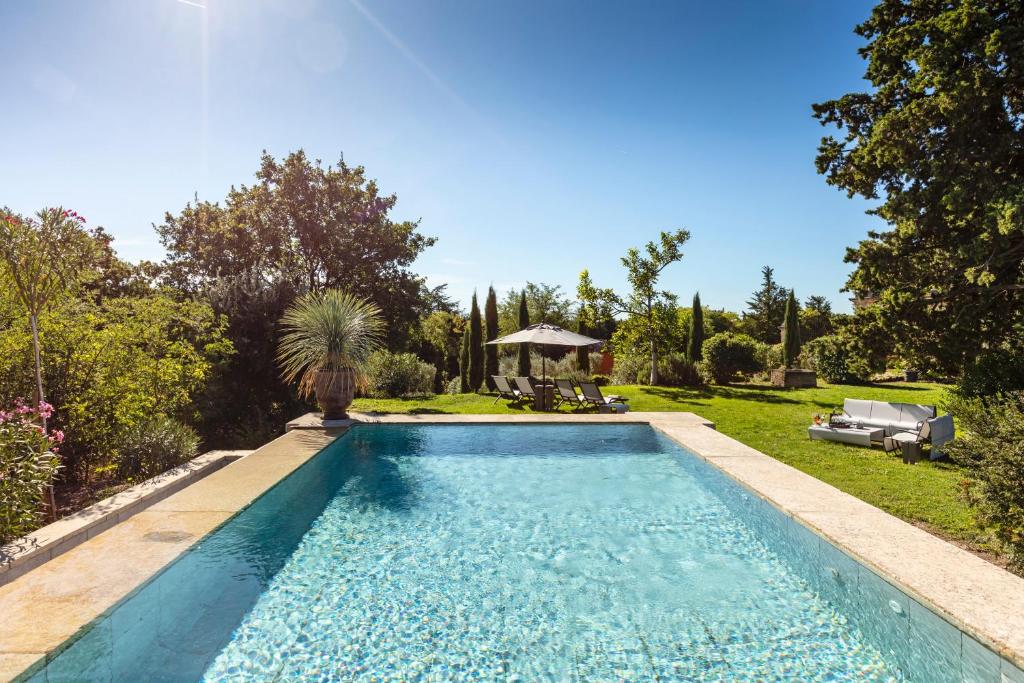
(748, 392)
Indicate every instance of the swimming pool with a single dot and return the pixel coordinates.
(540, 552)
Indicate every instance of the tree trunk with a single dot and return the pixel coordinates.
(654, 362)
(50, 499)
(39, 365)
(654, 344)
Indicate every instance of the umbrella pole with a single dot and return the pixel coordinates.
(544, 376)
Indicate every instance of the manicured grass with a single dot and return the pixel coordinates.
(775, 421)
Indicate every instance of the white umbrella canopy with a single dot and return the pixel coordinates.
(549, 335)
(543, 333)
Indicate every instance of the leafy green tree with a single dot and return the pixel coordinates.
(114, 365)
(695, 338)
(791, 332)
(464, 357)
(491, 351)
(316, 227)
(523, 352)
(653, 309)
(816, 318)
(936, 143)
(302, 226)
(43, 259)
(476, 349)
(443, 331)
(765, 310)
(721, 320)
(545, 304)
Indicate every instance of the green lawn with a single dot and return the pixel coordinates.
(775, 422)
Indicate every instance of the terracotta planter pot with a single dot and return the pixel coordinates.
(335, 390)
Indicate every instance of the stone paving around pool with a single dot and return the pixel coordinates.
(52, 603)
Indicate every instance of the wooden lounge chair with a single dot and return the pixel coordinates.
(592, 395)
(525, 388)
(506, 390)
(566, 393)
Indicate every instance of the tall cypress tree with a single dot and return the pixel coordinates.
(791, 332)
(583, 352)
(523, 358)
(491, 351)
(464, 364)
(476, 348)
(696, 341)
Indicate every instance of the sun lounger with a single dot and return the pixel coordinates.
(505, 390)
(566, 393)
(525, 388)
(592, 395)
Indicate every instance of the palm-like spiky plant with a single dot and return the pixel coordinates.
(328, 330)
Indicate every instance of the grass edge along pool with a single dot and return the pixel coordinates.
(912, 638)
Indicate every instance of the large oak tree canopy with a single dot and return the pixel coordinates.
(939, 141)
(304, 224)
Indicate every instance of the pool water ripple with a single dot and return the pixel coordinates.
(535, 553)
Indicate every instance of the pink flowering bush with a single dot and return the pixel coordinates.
(28, 461)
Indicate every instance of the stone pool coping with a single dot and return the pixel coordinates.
(47, 606)
(42, 545)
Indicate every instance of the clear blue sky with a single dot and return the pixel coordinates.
(533, 139)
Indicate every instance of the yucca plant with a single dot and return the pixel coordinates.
(328, 337)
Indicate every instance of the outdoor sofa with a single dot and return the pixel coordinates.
(892, 424)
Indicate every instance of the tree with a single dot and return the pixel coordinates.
(43, 259)
(791, 332)
(583, 352)
(695, 339)
(938, 140)
(464, 363)
(442, 330)
(815, 318)
(476, 349)
(314, 227)
(545, 303)
(765, 311)
(523, 353)
(302, 226)
(653, 309)
(490, 350)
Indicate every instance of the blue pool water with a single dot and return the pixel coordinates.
(516, 553)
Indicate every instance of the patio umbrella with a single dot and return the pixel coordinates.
(546, 335)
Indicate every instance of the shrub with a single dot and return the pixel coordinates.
(995, 371)
(601, 380)
(398, 374)
(454, 386)
(631, 369)
(990, 443)
(676, 370)
(769, 355)
(565, 367)
(27, 465)
(834, 358)
(154, 446)
(728, 355)
(112, 365)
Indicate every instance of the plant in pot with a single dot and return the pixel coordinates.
(327, 339)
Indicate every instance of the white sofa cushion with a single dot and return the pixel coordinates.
(857, 409)
(885, 413)
(912, 412)
(892, 417)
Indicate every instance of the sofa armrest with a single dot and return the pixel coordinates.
(942, 430)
